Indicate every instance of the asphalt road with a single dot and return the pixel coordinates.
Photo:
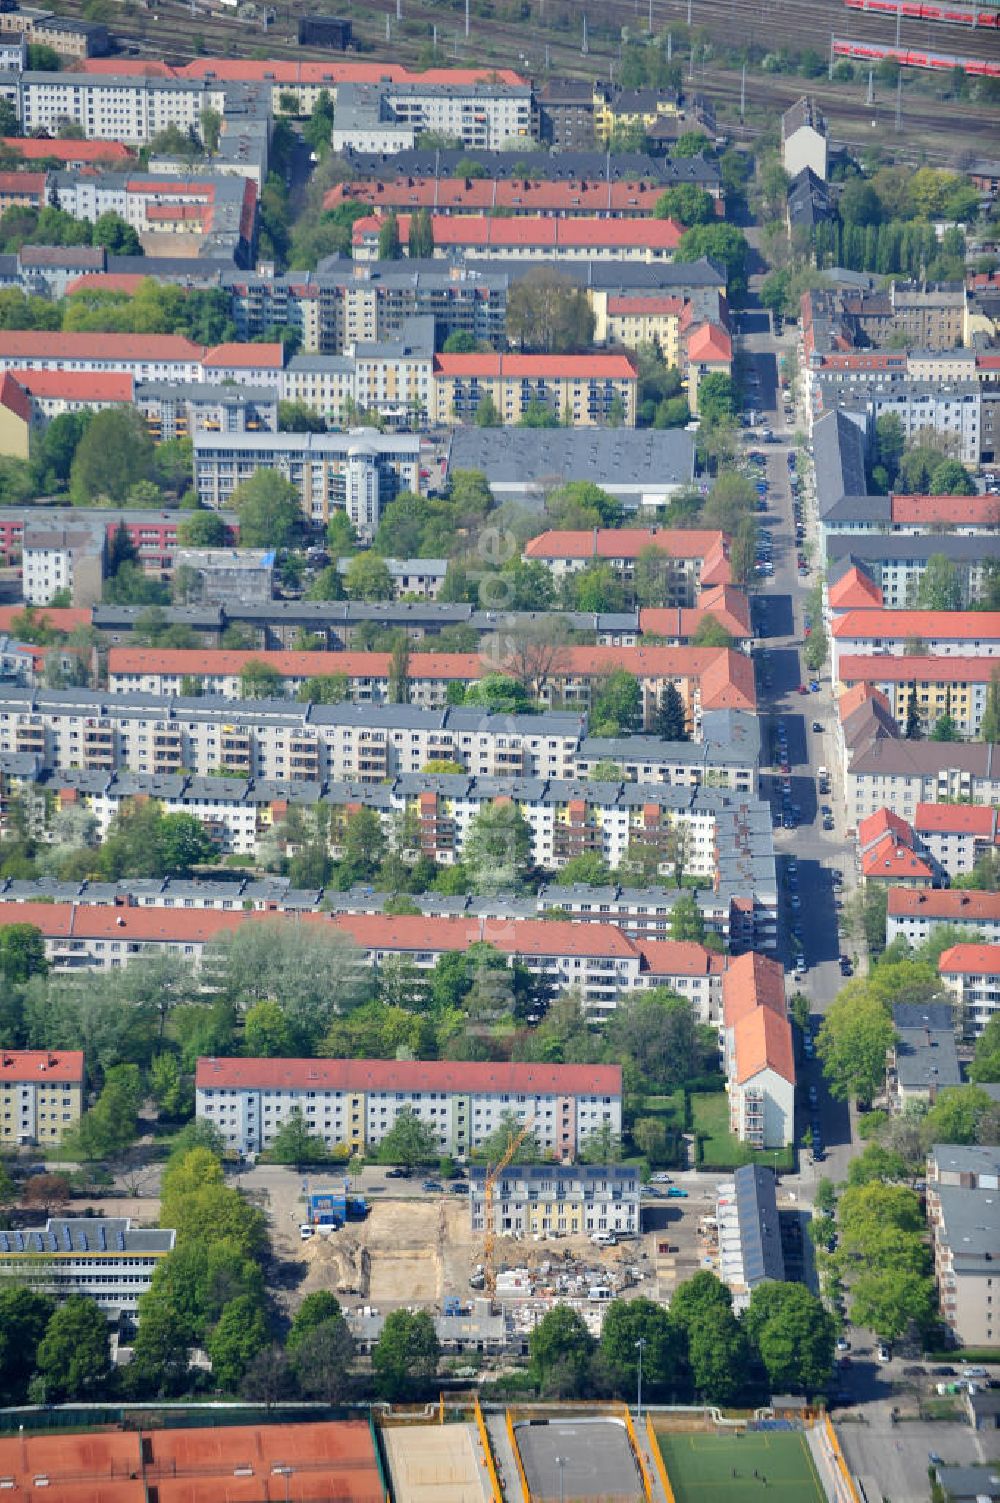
(779, 607)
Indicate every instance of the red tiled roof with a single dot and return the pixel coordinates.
(891, 860)
(852, 700)
(752, 981)
(880, 823)
(964, 626)
(710, 343)
(673, 957)
(945, 903)
(904, 670)
(77, 386)
(41, 1065)
(974, 960)
(128, 282)
(570, 196)
(377, 931)
(957, 819)
(44, 344)
(538, 229)
(622, 305)
(60, 617)
(762, 1040)
(411, 1075)
(926, 510)
(624, 542)
(245, 356)
(22, 184)
(30, 149)
(14, 397)
(554, 367)
(854, 589)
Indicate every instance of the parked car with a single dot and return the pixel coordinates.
(817, 725)
(432, 1186)
(883, 1353)
(675, 1193)
(397, 1174)
(660, 1178)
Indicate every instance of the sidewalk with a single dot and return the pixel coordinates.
(503, 1456)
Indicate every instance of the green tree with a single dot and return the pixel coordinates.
(940, 586)
(269, 510)
(561, 1351)
(459, 341)
(24, 1316)
(399, 672)
(687, 204)
(240, 1334)
(74, 1355)
(114, 452)
(658, 1032)
(389, 247)
(951, 478)
(169, 1088)
(112, 1122)
(587, 869)
(686, 920)
(985, 1067)
(367, 578)
(159, 1365)
(498, 846)
(202, 529)
(722, 243)
(267, 1033)
(671, 716)
(322, 1359)
(409, 1142)
(717, 401)
(211, 129)
(406, 1356)
(22, 953)
(116, 235)
(420, 241)
(293, 1143)
(260, 680)
(957, 1115)
(717, 1355)
(548, 312)
(487, 414)
(615, 704)
(852, 1044)
(990, 727)
(318, 128)
(711, 633)
(299, 417)
(794, 1334)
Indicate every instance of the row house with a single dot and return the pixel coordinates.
(963, 1215)
(531, 237)
(917, 916)
(693, 560)
(353, 1104)
(545, 1200)
(932, 687)
(758, 1053)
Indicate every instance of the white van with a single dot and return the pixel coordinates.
(604, 1239)
(599, 1294)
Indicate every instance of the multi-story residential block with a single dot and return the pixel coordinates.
(559, 198)
(176, 409)
(531, 236)
(916, 915)
(103, 1258)
(41, 1095)
(963, 1213)
(583, 391)
(63, 558)
(923, 1060)
(220, 576)
(694, 560)
(74, 155)
(66, 35)
(896, 564)
(114, 107)
(758, 1053)
(354, 1103)
(885, 770)
(389, 116)
(357, 473)
(216, 213)
(971, 972)
(707, 678)
(750, 1250)
(544, 1200)
(929, 687)
(153, 535)
(804, 139)
(889, 853)
(896, 633)
(957, 836)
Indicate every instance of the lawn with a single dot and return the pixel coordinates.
(701, 1467)
(718, 1148)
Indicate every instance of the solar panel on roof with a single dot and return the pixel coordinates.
(101, 1239)
(53, 1244)
(3, 1242)
(81, 1241)
(67, 1239)
(120, 1241)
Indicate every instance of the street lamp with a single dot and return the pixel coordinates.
(640, 1347)
(561, 1464)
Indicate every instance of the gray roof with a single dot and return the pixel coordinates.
(590, 165)
(872, 547)
(839, 459)
(612, 457)
(926, 758)
(962, 1158)
(84, 1234)
(626, 1174)
(926, 1055)
(970, 1226)
(760, 1230)
(969, 1484)
(808, 200)
(205, 392)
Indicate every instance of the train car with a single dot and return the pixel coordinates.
(907, 57)
(947, 11)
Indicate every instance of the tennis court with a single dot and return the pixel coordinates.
(704, 1468)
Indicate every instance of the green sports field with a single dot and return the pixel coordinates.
(701, 1466)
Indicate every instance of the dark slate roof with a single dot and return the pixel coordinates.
(760, 1232)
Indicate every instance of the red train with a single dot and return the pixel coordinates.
(918, 10)
(909, 57)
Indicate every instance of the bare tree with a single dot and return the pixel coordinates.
(537, 652)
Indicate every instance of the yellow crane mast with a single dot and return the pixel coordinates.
(492, 1175)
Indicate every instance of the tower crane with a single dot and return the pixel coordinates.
(514, 1142)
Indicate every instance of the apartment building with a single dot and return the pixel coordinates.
(916, 915)
(529, 236)
(546, 1200)
(103, 1258)
(895, 633)
(934, 686)
(216, 212)
(804, 139)
(707, 678)
(153, 534)
(963, 1214)
(62, 559)
(113, 107)
(758, 1053)
(749, 1227)
(180, 409)
(357, 472)
(693, 560)
(67, 35)
(971, 972)
(223, 576)
(889, 854)
(354, 1103)
(559, 198)
(895, 564)
(41, 1095)
(583, 391)
(887, 770)
(923, 1060)
(957, 836)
